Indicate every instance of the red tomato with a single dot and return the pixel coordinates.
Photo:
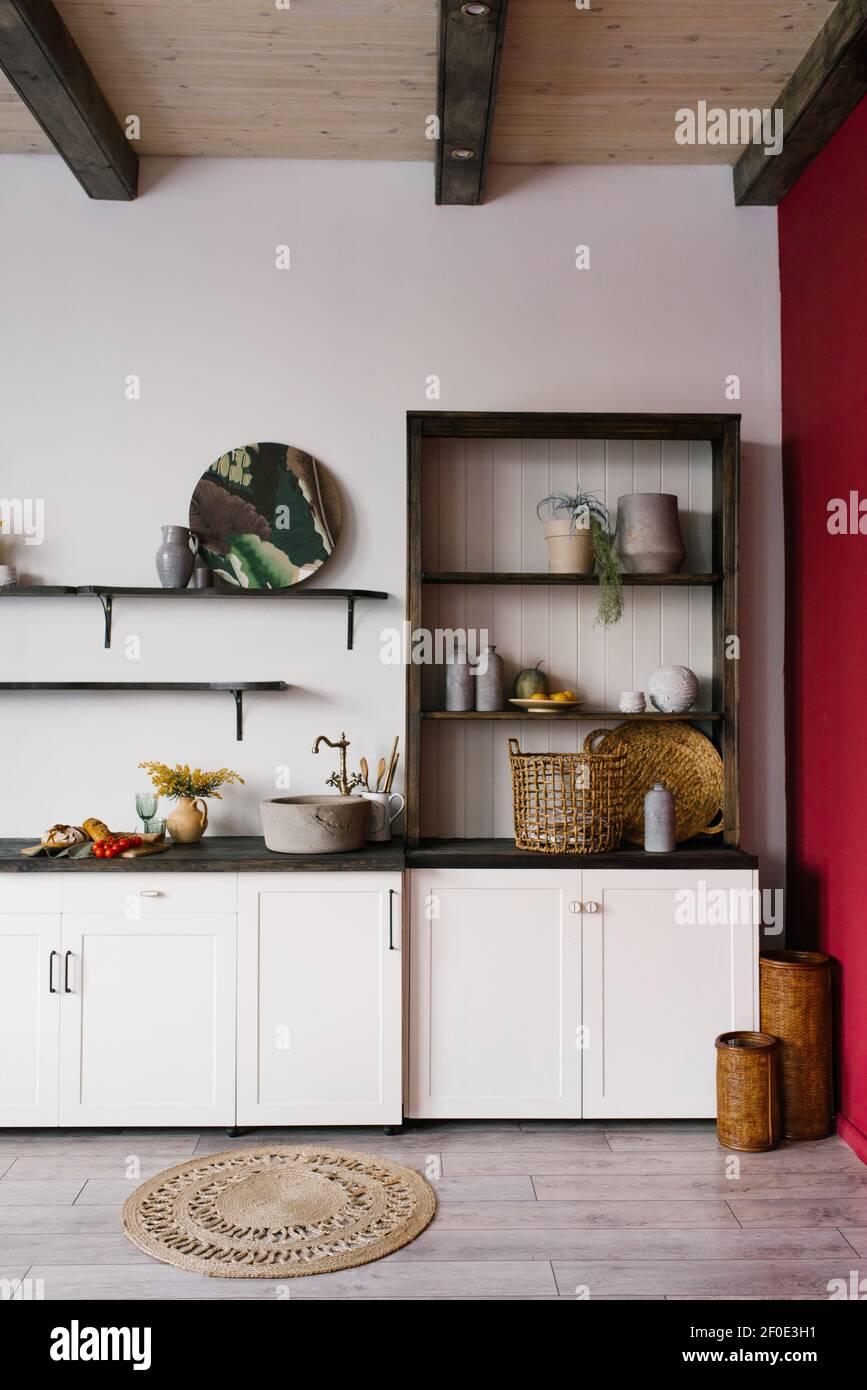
(123, 843)
(135, 841)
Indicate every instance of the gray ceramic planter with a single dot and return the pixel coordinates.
(647, 537)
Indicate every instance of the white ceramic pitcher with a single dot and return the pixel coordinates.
(382, 817)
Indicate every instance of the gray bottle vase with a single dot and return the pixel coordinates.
(659, 821)
(647, 537)
(175, 557)
(490, 686)
(460, 684)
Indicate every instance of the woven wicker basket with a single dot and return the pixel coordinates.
(673, 753)
(747, 1092)
(567, 803)
(795, 993)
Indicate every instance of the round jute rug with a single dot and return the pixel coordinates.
(272, 1213)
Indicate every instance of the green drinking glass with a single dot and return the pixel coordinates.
(146, 808)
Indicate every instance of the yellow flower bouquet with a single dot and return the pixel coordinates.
(180, 781)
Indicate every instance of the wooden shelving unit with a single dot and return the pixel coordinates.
(107, 593)
(235, 688)
(722, 432)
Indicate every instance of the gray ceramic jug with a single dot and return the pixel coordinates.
(176, 557)
(659, 821)
(490, 690)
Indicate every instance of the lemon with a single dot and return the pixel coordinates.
(538, 696)
(561, 697)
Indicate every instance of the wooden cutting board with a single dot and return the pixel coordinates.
(157, 848)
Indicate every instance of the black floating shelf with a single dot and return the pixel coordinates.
(107, 592)
(517, 577)
(236, 688)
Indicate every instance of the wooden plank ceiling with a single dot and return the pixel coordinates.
(356, 79)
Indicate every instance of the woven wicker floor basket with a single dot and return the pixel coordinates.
(677, 755)
(567, 803)
(795, 994)
(747, 1092)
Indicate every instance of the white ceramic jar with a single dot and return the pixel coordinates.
(673, 689)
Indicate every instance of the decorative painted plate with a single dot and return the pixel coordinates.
(267, 516)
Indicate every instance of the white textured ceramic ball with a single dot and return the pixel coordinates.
(673, 689)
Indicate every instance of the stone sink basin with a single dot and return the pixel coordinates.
(315, 824)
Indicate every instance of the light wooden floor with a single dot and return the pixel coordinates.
(539, 1210)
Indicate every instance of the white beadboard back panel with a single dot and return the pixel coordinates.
(479, 508)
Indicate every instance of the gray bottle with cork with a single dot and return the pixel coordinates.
(659, 822)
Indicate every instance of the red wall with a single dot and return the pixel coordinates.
(823, 272)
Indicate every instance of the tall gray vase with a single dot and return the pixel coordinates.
(175, 557)
(459, 682)
(659, 820)
(647, 537)
(490, 688)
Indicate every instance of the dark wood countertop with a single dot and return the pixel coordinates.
(247, 854)
(214, 854)
(705, 852)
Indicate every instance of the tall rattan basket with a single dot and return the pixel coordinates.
(567, 803)
(795, 994)
(747, 1092)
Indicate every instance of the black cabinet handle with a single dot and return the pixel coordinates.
(51, 989)
(66, 989)
(391, 919)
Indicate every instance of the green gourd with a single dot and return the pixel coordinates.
(530, 682)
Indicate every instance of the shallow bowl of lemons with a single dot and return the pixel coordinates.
(558, 702)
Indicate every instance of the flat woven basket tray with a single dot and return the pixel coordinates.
(677, 755)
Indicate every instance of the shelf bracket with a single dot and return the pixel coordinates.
(239, 714)
(350, 621)
(105, 600)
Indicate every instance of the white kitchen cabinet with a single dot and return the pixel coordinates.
(320, 966)
(545, 993)
(495, 994)
(670, 961)
(29, 1017)
(148, 1019)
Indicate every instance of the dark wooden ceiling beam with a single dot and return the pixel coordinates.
(825, 87)
(40, 59)
(469, 61)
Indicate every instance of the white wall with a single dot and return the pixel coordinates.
(385, 289)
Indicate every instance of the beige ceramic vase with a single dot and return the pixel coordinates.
(189, 822)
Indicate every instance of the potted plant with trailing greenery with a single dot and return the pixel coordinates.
(580, 540)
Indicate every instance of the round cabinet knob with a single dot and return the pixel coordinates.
(575, 906)
(591, 907)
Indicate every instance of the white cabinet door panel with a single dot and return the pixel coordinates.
(495, 994)
(148, 1021)
(319, 1029)
(669, 963)
(29, 1018)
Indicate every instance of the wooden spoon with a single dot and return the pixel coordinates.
(364, 772)
(380, 772)
(392, 764)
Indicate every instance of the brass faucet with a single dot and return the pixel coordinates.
(341, 781)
